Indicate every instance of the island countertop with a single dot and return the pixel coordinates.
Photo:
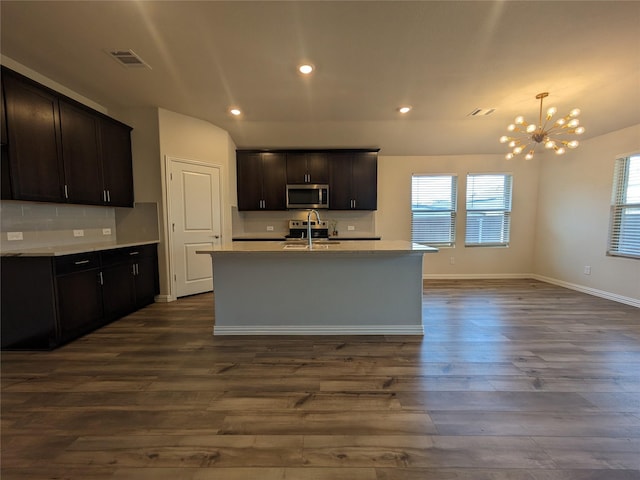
(321, 247)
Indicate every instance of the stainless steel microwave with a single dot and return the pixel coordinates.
(307, 196)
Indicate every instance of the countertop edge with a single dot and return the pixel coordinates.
(59, 251)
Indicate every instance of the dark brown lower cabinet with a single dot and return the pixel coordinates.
(130, 279)
(48, 301)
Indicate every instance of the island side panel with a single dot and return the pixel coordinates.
(305, 293)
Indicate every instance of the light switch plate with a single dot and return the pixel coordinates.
(106, 231)
(269, 228)
(78, 233)
(351, 228)
(14, 236)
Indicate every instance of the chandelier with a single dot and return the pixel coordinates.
(525, 137)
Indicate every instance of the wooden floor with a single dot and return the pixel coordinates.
(513, 380)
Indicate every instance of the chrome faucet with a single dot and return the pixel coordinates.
(309, 224)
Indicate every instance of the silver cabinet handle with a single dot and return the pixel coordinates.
(101, 278)
(134, 253)
(81, 262)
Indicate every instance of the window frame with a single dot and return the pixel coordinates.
(452, 212)
(505, 211)
(619, 206)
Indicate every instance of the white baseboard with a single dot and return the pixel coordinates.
(475, 276)
(591, 291)
(572, 286)
(319, 330)
(164, 299)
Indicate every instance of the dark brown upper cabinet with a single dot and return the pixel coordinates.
(33, 141)
(62, 151)
(307, 167)
(261, 180)
(353, 180)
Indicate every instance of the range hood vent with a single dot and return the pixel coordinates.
(128, 59)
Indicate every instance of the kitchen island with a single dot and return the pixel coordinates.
(287, 288)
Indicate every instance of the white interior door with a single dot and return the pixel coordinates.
(195, 224)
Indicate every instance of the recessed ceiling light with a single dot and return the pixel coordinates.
(235, 111)
(306, 68)
(404, 109)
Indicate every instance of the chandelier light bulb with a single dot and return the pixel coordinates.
(504, 139)
(549, 144)
(573, 144)
(551, 112)
(519, 120)
(531, 128)
(512, 143)
(517, 150)
(509, 156)
(575, 112)
(529, 155)
(573, 123)
(579, 131)
(560, 150)
(560, 121)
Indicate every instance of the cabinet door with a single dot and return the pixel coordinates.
(118, 290)
(274, 178)
(117, 172)
(365, 181)
(80, 152)
(249, 173)
(79, 302)
(5, 187)
(296, 168)
(146, 281)
(340, 197)
(33, 141)
(318, 167)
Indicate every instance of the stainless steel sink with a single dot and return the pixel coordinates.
(299, 244)
(295, 246)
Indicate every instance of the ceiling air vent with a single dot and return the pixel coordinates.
(128, 59)
(481, 112)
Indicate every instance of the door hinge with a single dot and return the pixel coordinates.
(175, 277)
(173, 227)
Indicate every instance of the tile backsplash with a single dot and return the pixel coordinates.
(49, 224)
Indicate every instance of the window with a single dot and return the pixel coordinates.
(488, 209)
(624, 234)
(433, 209)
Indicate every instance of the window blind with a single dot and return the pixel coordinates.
(624, 233)
(488, 209)
(433, 209)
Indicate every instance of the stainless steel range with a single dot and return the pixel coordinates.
(298, 229)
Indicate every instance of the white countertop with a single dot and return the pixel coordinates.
(56, 251)
(323, 247)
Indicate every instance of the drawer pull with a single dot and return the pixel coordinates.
(134, 253)
(81, 262)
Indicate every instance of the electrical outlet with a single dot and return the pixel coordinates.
(269, 228)
(14, 236)
(351, 228)
(452, 260)
(106, 231)
(78, 233)
(587, 270)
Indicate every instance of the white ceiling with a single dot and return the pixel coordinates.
(445, 58)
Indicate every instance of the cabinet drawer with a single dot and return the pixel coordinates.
(76, 263)
(120, 255)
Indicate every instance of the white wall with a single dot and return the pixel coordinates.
(393, 218)
(189, 138)
(573, 218)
